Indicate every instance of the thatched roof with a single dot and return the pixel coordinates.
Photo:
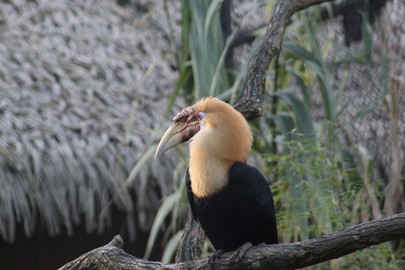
(83, 87)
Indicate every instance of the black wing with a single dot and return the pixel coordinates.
(190, 195)
(255, 202)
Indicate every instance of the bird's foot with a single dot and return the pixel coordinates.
(215, 256)
(240, 252)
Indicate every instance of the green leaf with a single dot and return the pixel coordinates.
(212, 9)
(285, 123)
(171, 247)
(298, 51)
(206, 47)
(301, 84)
(165, 210)
(301, 112)
(145, 157)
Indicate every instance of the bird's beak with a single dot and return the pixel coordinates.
(171, 138)
(180, 131)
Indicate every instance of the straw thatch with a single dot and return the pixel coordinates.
(83, 87)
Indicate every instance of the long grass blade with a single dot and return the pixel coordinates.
(166, 208)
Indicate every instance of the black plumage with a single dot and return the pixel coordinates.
(241, 212)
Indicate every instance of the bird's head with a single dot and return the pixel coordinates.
(215, 128)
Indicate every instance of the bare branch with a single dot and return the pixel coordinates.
(250, 105)
(282, 256)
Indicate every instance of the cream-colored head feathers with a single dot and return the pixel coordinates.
(226, 133)
(224, 139)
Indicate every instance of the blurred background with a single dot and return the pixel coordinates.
(88, 87)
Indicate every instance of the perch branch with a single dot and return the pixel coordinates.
(282, 256)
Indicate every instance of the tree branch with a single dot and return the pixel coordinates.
(250, 105)
(281, 256)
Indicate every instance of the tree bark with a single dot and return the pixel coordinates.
(192, 242)
(281, 256)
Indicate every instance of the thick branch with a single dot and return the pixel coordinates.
(250, 105)
(282, 256)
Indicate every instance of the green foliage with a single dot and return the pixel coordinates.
(310, 190)
(203, 43)
(317, 185)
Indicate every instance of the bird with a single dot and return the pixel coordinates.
(230, 199)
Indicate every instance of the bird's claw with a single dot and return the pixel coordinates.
(240, 252)
(214, 256)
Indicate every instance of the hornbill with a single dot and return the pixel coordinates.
(230, 199)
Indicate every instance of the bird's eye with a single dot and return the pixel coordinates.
(202, 115)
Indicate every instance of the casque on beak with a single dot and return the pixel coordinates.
(185, 125)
